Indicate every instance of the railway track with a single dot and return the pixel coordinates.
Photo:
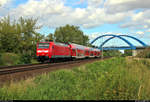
(21, 68)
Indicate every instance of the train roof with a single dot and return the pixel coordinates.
(95, 49)
(73, 45)
(61, 44)
(83, 47)
(77, 46)
(56, 43)
(43, 42)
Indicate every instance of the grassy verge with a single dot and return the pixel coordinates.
(8, 59)
(116, 78)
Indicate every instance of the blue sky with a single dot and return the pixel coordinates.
(76, 3)
(95, 17)
(18, 2)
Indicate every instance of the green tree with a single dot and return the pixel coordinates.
(19, 36)
(49, 37)
(28, 34)
(127, 53)
(8, 35)
(72, 34)
(112, 53)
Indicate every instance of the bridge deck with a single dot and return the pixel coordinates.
(122, 48)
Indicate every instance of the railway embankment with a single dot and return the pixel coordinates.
(10, 74)
(116, 78)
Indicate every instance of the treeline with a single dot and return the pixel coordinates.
(69, 33)
(20, 37)
(144, 54)
(112, 53)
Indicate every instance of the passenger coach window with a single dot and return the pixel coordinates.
(43, 45)
(73, 50)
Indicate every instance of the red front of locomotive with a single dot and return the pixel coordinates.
(44, 50)
(52, 50)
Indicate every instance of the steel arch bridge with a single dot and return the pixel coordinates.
(120, 37)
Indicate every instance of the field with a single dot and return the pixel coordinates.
(114, 79)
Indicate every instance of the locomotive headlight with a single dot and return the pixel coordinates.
(46, 51)
(39, 51)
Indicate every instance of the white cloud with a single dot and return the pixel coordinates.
(148, 30)
(114, 6)
(140, 32)
(94, 35)
(3, 2)
(137, 16)
(95, 3)
(145, 26)
(97, 34)
(112, 2)
(140, 20)
(54, 13)
(40, 7)
(4, 7)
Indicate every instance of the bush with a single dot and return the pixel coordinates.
(127, 53)
(9, 59)
(112, 53)
(25, 59)
(34, 61)
(14, 59)
(1, 62)
(145, 53)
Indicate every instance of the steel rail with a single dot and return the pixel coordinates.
(22, 68)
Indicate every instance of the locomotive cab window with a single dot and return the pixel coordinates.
(43, 45)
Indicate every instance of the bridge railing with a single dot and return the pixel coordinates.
(120, 37)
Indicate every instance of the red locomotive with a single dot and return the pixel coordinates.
(54, 50)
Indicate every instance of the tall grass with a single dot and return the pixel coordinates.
(116, 78)
(9, 59)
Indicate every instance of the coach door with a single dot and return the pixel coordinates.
(53, 51)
